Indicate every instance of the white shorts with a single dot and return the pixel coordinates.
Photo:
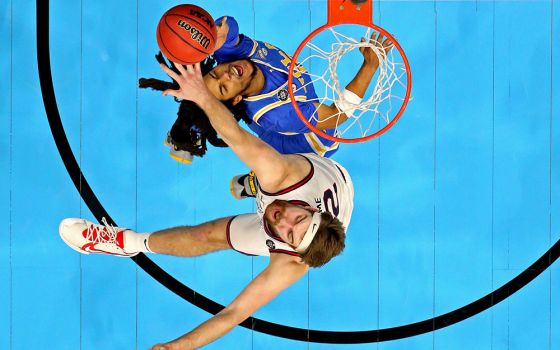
(245, 234)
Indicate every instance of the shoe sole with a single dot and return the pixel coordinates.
(232, 189)
(180, 160)
(175, 158)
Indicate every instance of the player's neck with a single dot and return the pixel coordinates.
(257, 83)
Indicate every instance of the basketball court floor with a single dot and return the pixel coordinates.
(457, 214)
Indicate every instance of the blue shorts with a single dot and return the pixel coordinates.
(297, 143)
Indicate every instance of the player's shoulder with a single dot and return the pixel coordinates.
(295, 168)
(315, 158)
(301, 161)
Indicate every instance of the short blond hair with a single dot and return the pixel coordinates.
(327, 243)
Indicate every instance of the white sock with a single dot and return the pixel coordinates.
(136, 242)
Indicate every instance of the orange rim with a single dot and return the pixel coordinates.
(356, 139)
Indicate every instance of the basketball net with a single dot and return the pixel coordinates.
(378, 107)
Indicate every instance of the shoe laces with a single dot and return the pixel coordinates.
(102, 234)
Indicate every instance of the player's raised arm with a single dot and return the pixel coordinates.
(230, 45)
(355, 90)
(282, 271)
(265, 161)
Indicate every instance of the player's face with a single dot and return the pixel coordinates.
(288, 221)
(228, 80)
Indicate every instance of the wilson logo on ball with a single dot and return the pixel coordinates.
(186, 34)
(196, 34)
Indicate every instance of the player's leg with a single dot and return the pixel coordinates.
(191, 240)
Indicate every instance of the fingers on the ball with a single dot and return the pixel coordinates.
(189, 69)
(180, 67)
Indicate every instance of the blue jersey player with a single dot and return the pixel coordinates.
(266, 99)
(255, 73)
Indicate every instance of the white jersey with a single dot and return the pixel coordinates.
(327, 187)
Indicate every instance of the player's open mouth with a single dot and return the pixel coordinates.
(237, 71)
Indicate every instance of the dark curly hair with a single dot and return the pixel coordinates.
(192, 128)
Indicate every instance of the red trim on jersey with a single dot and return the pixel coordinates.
(299, 202)
(227, 232)
(294, 186)
(282, 251)
(229, 240)
(341, 173)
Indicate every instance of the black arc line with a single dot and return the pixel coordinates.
(206, 304)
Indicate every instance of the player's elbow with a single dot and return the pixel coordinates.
(332, 121)
(242, 308)
(331, 117)
(234, 135)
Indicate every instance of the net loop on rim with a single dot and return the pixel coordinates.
(386, 94)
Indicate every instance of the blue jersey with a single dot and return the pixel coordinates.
(274, 119)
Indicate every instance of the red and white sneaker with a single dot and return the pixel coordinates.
(86, 237)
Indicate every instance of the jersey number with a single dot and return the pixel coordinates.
(331, 205)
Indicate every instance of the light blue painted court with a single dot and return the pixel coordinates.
(457, 200)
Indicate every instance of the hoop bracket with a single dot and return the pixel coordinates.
(349, 12)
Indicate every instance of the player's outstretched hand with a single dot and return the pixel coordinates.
(370, 57)
(191, 84)
(223, 30)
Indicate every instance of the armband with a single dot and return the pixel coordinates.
(348, 102)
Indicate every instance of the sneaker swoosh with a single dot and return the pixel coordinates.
(90, 247)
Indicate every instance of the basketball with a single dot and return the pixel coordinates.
(186, 34)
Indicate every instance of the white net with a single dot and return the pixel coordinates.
(332, 58)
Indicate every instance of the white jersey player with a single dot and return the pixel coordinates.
(304, 203)
(328, 187)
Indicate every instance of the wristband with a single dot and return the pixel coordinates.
(348, 102)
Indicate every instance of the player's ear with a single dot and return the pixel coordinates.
(236, 100)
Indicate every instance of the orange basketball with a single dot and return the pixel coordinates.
(186, 34)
